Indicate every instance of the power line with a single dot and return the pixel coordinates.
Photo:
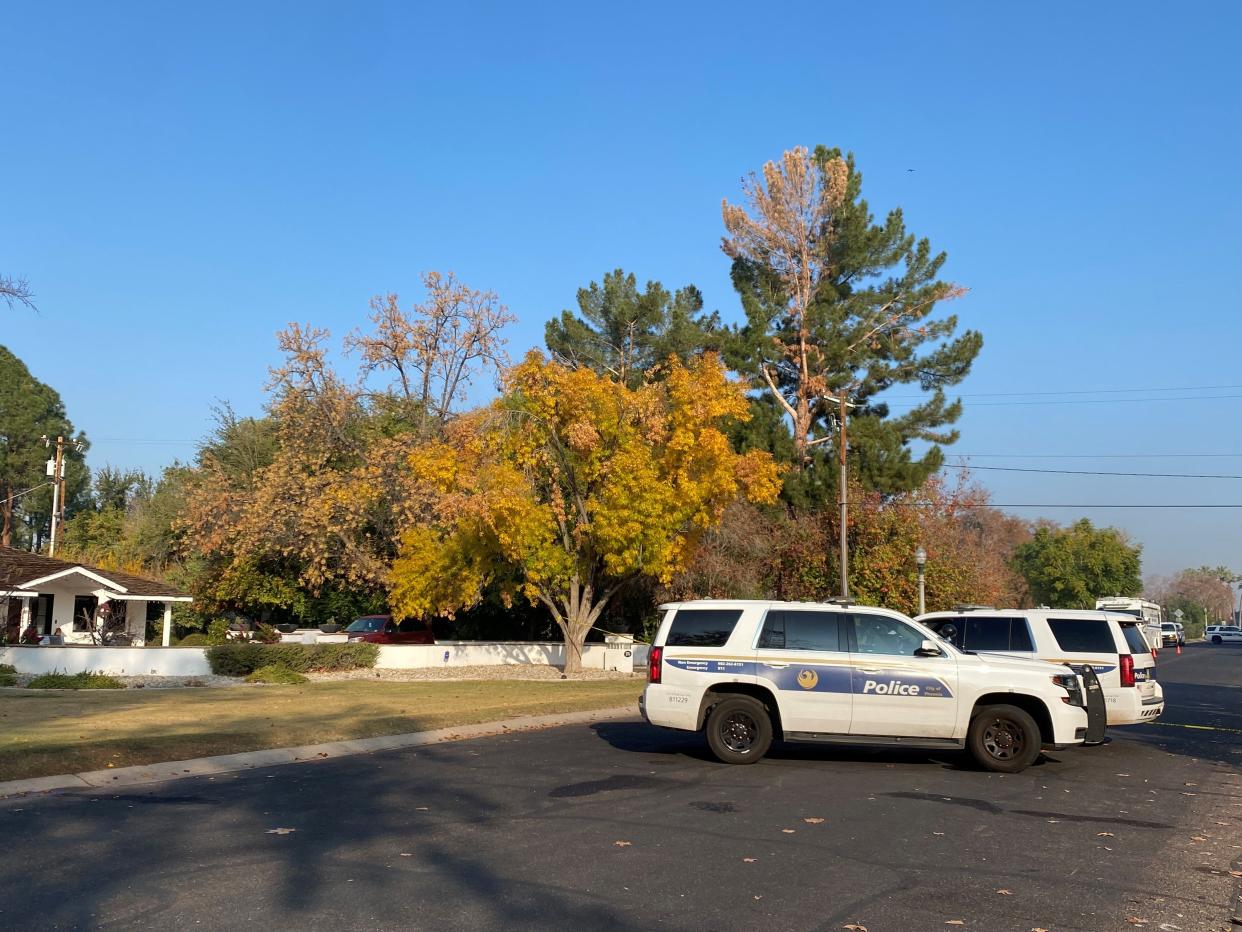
(1097, 456)
(1048, 505)
(1090, 401)
(1092, 472)
(1093, 391)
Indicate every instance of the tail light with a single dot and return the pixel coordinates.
(1127, 669)
(654, 656)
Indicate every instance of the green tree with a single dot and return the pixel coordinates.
(840, 308)
(29, 411)
(623, 332)
(1071, 567)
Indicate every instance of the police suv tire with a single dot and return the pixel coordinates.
(1216, 639)
(739, 730)
(1003, 739)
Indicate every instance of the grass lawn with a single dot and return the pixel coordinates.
(45, 732)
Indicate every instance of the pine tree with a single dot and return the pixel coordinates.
(623, 332)
(841, 307)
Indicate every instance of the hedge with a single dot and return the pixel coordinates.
(276, 675)
(84, 680)
(243, 659)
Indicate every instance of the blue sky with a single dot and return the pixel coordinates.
(179, 181)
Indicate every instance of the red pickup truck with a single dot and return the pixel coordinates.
(381, 629)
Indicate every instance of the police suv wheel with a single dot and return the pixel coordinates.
(1003, 739)
(739, 730)
(1216, 639)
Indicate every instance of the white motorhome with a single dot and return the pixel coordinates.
(1151, 614)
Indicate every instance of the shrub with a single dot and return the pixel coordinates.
(7, 668)
(276, 674)
(218, 631)
(266, 634)
(84, 680)
(8, 679)
(244, 659)
(194, 640)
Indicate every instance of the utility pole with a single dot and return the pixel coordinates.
(843, 482)
(56, 469)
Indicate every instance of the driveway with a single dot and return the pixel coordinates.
(622, 826)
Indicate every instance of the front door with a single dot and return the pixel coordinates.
(801, 654)
(897, 692)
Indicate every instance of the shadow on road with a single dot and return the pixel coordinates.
(641, 738)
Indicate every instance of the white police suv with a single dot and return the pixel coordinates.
(1114, 644)
(750, 671)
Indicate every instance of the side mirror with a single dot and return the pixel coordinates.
(928, 649)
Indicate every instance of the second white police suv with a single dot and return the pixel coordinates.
(746, 672)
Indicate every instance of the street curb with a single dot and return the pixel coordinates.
(273, 757)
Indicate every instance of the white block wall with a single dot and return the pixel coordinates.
(192, 661)
(118, 661)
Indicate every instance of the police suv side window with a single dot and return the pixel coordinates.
(792, 629)
(702, 627)
(987, 633)
(1020, 635)
(879, 634)
(1083, 635)
(812, 630)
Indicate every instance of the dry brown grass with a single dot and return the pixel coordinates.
(52, 732)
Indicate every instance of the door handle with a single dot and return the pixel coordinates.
(869, 672)
(778, 666)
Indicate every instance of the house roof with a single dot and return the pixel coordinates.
(18, 569)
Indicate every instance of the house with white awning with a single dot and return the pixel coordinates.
(42, 597)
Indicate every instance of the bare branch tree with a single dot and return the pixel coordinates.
(16, 291)
(440, 345)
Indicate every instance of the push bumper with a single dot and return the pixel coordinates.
(1097, 712)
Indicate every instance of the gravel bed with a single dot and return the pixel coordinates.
(515, 671)
(161, 682)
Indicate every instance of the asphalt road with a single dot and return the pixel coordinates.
(622, 826)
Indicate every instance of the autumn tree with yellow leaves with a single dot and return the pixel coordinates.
(572, 485)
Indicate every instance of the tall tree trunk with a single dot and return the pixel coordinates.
(6, 532)
(575, 611)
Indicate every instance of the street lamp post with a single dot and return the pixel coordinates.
(920, 557)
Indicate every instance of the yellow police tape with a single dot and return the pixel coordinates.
(1234, 731)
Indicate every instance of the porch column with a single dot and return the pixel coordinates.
(26, 600)
(167, 640)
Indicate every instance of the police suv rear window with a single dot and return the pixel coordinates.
(1134, 637)
(702, 627)
(1083, 635)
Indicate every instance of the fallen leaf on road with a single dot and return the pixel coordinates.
(1235, 873)
(406, 854)
(1104, 835)
(1005, 892)
(749, 860)
(813, 821)
(954, 922)
(937, 833)
(788, 831)
(1136, 921)
(623, 844)
(1039, 929)
(855, 927)
(1053, 821)
(279, 831)
(757, 897)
